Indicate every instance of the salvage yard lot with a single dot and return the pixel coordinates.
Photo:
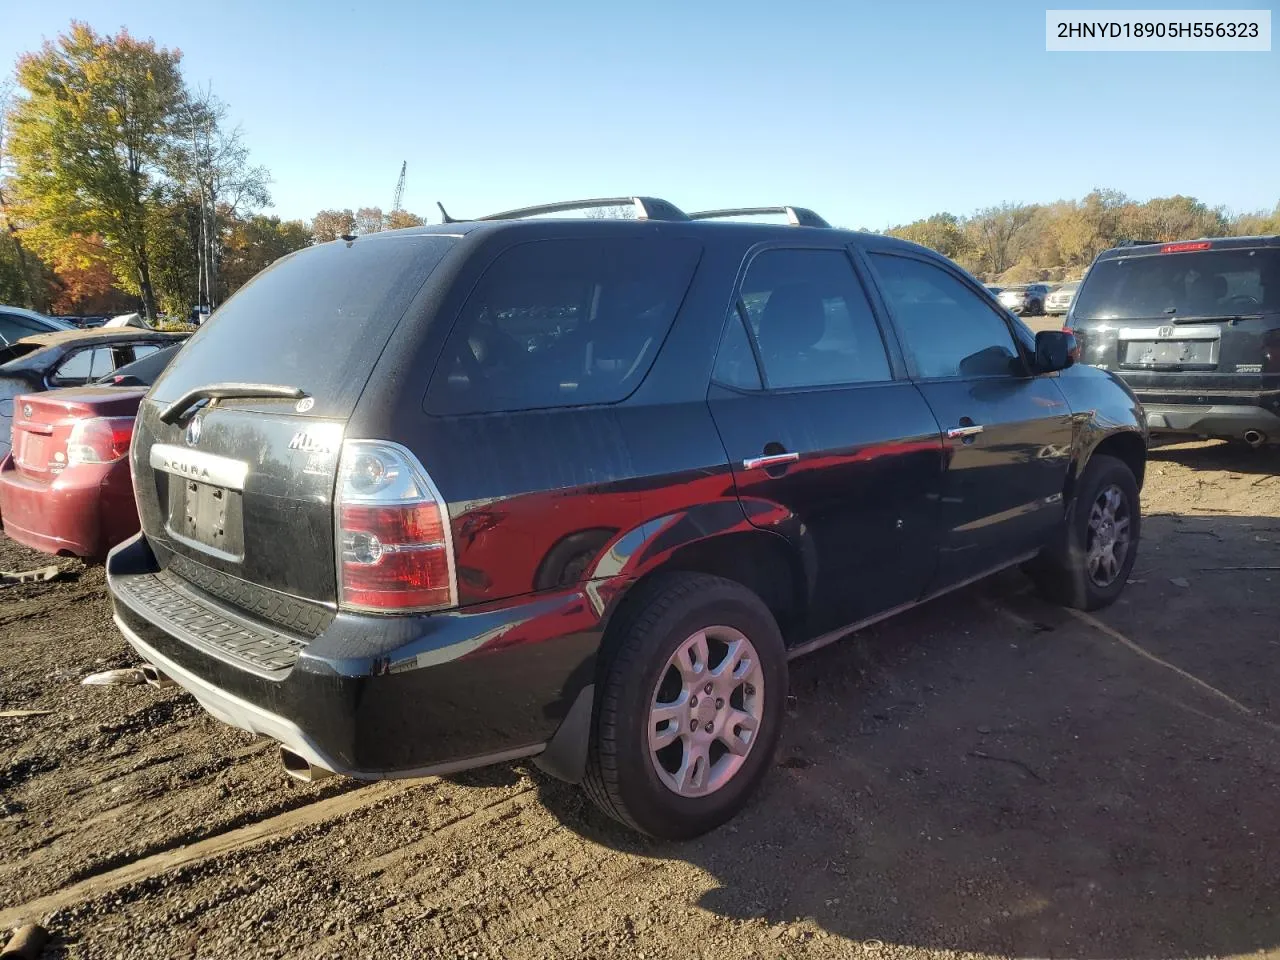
(988, 774)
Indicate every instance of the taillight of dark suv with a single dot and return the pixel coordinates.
(395, 554)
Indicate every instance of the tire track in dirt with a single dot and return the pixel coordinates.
(231, 841)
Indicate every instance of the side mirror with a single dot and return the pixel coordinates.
(1055, 350)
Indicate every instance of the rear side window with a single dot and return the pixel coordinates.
(811, 320)
(85, 365)
(557, 323)
(1212, 283)
(317, 320)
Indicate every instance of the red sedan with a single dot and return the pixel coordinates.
(66, 487)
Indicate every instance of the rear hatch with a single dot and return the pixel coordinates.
(44, 424)
(1200, 317)
(236, 451)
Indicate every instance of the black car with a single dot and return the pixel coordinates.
(1194, 328)
(68, 358)
(580, 488)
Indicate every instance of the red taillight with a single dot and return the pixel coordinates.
(99, 440)
(394, 549)
(1185, 247)
(1077, 351)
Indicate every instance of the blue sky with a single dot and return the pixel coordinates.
(871, 113)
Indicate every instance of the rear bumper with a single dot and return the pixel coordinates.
(371, 697)
(83, 512)
(1214, 418)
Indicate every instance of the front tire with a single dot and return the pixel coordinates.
(690, 709)
(1089, 565)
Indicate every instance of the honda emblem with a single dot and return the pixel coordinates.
(1165, 332)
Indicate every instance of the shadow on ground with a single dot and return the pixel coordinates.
(994, 774)
(1233, 457)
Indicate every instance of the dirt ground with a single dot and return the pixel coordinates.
(988, 775)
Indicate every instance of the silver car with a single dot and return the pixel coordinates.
(1059, 299)
(1024, 299)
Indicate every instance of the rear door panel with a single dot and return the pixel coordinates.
(859, 495)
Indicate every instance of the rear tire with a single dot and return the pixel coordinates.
(649, 737)
(1088, 566)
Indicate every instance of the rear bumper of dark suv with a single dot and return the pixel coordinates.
(1226, 415)
(370, 697)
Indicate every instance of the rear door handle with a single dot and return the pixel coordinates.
(958, 433)
(770, 460)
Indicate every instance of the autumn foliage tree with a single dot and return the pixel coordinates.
(1015, 243)
(90, 128)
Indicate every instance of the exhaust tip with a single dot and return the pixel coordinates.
(300, 768)
(1254, 438)
(154, 677)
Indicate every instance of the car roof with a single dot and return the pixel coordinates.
(48, 343)
(735, 228)
(1143, 249)
(36, 315)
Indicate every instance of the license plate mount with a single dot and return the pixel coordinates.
(1171, 353)
(207, 517)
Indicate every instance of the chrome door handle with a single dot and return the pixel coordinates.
(956, 433)
(770, 460)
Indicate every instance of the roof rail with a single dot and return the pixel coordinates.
(647, 208)
(797, 216)
(1137, 243)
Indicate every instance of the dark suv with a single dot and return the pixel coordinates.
(580, 488)
(1194, 328)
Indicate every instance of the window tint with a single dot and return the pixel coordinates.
(141, 350)
(13, 327)
(811, 320)
(736, 363)
(949, 331)
(318, 320)
(1214, 283)
(85, 365)
(562, 323)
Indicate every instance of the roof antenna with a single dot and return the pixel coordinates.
(445, 214)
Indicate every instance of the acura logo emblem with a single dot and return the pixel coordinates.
(1165, 331)
(26, 410)
(193, 431)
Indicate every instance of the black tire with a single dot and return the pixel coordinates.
(620, 775)
(1061, 572)
(1036, 308)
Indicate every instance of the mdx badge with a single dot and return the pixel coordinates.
(193, 431)
(308, 443)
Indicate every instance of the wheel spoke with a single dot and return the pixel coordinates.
(727, 667)
(1095, 517)
(668, 712)
(694, 770)
(692, 662)
(739, 730)
(660, 739)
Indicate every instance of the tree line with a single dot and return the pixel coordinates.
(1019, 243)
(122, 187)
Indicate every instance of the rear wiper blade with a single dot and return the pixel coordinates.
(227, 391)
(1224, 318)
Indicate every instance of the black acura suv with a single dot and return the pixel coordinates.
(579, 489)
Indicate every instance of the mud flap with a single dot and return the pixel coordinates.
(565, 757)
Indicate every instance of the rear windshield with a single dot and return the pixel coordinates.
(1212, 283)
(557, 323)
(317, 320)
